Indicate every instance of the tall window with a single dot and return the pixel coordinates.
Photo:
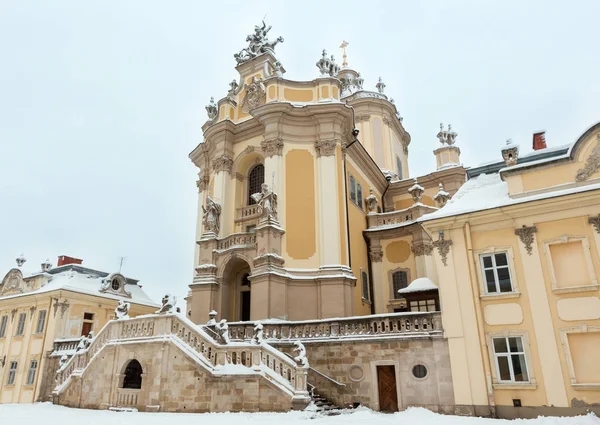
(399, 281)
(31, 373)
(399, 167)
(41, 322)
(510, 359)
(496, 273)
(359, 197)
(365, 285)
(88, 324)
(12, 373)
(255, 179)
(21, 324)
(352, 189)
(3, 323)
(133, 375)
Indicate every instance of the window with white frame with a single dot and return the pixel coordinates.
(496, 273)
(41, 322)
(21, 324)
(12, 373)
(399, 281)
(511, 364)
(365, 285)
(3, 324)
(31, 372)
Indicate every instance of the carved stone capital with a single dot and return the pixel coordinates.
(272, 147)
(223, 163)
(525, 234)
(595, 221)
(203, 182)
(362, 117)
(325, 147)
(592, 164)
(421, 248)
(376, 255)
(443, 247)
(387, 120)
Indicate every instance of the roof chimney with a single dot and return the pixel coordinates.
(63, 260)
(539, 140)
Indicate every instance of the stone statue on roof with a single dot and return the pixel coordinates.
(258, 43)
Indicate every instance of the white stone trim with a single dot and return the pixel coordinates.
(593, 285)
(532, 384)
(511, 270)
(564, 338)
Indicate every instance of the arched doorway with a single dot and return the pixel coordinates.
(133, 375)
(236, 291)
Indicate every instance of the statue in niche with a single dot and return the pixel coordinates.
(211, 215)
(266, 200)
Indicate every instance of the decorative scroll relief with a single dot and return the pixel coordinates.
(595, 221)
(421, 248)
(362, 117)
(526, 235)
(256, 95)
(325, 147)
(443, 247)
(272, 147)
(223, 163)
(592, 164)
(376, 255)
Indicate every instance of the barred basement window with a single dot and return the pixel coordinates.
(31, 373)
(3, 326)
(21, 324)
(365, 285)
(12, 373)
(256, 178)
(399, 281)
(496, 273)
(41, 322)
(510, 359)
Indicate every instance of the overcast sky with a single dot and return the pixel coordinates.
(101, 103)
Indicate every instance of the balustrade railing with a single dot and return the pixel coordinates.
(398, 217)
(64, 346)
(242, 240)
(127, 397)
(258, 358)
(375, 326)
(247, 213)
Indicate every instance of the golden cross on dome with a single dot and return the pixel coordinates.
(343, 47)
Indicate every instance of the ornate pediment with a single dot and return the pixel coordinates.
(115, 283)
(13, 283)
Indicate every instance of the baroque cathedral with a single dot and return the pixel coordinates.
(325, 272)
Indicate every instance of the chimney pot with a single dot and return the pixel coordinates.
(63, 260)
(539, 140)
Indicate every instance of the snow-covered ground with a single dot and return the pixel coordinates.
(48, 414)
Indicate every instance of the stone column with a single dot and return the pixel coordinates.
(554, 383)
(376, 257)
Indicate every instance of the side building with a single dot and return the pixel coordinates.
(43, 315)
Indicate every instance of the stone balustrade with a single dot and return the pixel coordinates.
(237, 240)
(375, 326)
(66, 346)
(398, 217)
(249, 212)
(127, 397)
(271, 363)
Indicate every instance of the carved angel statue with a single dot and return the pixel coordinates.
(85, 341)
(257, 337)
(168, 304)
(301, 357)
(266, 200)
(122, 310)
(211, 215)
(223, 330)
(257, 44)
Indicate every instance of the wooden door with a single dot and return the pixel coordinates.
(386, 384)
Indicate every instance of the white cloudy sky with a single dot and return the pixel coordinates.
(101, 102)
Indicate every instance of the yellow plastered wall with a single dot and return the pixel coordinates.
(358, 246)
(397, 255)
(404, 201)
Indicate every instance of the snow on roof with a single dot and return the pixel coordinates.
(419, 285)
(488, 191)
(86, 281)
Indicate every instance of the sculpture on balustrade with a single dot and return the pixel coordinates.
(212, 318)
(371, 202)
(266, 200)
(63, 361)
(211, 216)
(222, 329)
(168, 304)
(257, 337)
(122, 310)
(85, 341)
(301, 357)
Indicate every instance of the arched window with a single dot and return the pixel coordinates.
(399, 281)
(365, 285)
(255, 179)
(133, 375)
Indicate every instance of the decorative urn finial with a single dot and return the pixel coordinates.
(324, 64)
(20, 260)
(46, 265)
(441, 197)
(442, 135)
(233, 86)
(416, 191)
(380, 86)
(371, 202)
(211, 109)
(510, 153)
(451, 136)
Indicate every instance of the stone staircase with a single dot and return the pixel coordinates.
(323, 404)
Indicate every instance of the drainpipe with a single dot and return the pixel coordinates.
(355, 135)
(482, 340)
(42, 363)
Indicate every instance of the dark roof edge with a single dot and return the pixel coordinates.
(497, 166)
(84, 270)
